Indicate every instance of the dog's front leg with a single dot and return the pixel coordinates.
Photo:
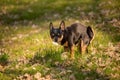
(71, 46)
(72, 52)
(66, 49)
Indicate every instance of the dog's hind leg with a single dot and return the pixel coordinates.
(82, 47)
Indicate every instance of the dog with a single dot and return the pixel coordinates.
(75, 34)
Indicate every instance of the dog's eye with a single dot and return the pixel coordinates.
(58, 34)
(53, 34)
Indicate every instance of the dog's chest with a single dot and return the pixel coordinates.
(65, 44)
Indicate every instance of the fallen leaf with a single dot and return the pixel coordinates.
(37, 76)
(72, 77)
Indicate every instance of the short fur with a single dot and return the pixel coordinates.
(75, 34)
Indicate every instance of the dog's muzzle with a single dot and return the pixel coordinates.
(55, 39)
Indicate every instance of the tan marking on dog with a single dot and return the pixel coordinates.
(65, 44)
(72, 52)
(60, 39)
(82, 47)
(66, 49)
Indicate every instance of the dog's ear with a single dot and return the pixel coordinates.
(90, 32)
(51, 25)
(62, 25)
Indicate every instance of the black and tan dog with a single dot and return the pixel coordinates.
(75, 34)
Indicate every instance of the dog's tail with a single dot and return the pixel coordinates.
(90, 32)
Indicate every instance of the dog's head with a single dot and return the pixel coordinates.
(57, 33)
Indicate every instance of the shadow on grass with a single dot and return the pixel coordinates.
(90, 75)
(49, 57)
(63, 69)
(78, 73)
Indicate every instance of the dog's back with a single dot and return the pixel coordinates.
(79, 31)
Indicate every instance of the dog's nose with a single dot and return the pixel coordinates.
(55, 39)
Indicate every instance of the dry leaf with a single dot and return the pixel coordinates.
(37, 76)
(72, 77)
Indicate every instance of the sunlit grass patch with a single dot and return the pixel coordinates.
(4, 76)
(100, 39)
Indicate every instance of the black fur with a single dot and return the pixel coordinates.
(73, 34)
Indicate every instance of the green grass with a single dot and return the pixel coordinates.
(26, 47)
(4, 58)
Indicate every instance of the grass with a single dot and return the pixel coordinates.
(4, 58)
(26, 46)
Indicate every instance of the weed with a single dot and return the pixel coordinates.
(4, 58)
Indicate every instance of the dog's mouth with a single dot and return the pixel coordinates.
(57, 40)
(55, 43)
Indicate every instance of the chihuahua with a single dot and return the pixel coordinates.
(75, 34)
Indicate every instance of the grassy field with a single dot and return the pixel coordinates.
(27, 52)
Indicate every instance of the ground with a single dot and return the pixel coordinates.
(27, 52)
